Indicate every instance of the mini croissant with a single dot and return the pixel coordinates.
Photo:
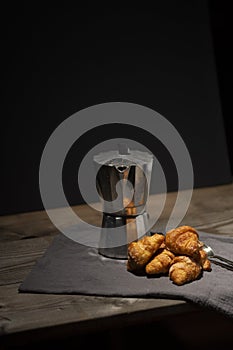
(183, 240)
(202, 259)
(141, 251)
(161, 262)
(184, 269)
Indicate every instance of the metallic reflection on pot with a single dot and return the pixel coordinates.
(123, 181)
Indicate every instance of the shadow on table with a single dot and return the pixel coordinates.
(197, 330)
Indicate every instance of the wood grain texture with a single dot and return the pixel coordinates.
(20, 312)
(25, 237)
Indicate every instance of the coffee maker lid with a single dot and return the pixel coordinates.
(123, 156)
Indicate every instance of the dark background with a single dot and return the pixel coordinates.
(174, 57)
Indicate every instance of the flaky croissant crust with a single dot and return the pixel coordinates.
(184, 269)
(183, 240)
(141, 251)
(161, 262)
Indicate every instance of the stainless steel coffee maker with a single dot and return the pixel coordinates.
(122, 181)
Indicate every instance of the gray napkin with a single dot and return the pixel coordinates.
(71, 268)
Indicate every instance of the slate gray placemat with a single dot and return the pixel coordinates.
(71, 268)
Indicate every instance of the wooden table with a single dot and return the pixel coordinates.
(39, 319)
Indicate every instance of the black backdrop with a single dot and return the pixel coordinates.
(173, 57)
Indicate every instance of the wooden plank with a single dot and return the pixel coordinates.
(18, 257)
(38, 224)
(20, 312)
(211, 209)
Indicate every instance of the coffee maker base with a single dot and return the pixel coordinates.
(118, 231)
(115, 253)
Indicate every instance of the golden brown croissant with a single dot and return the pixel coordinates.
(161, 262)
(141, 251)
(202, 259)
(183, 240)
(184, 269)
